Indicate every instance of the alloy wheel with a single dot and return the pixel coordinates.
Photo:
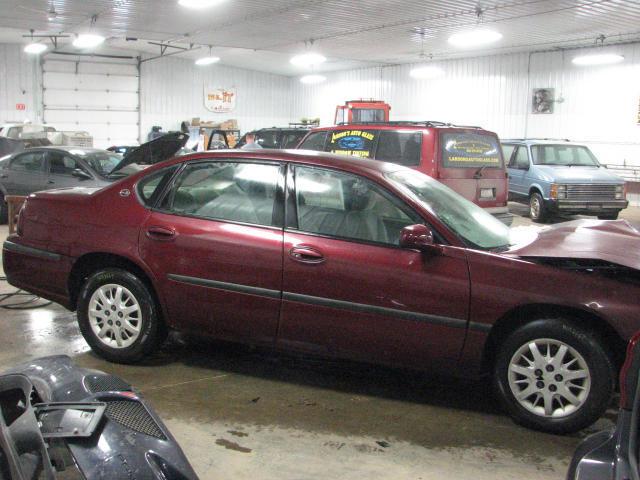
(549, 378)
(115, 316)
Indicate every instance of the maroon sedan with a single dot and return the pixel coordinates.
(350, 258)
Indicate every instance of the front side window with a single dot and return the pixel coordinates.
(400, 147)
(470, 150)
(563, 155)
(61, 164)
(315, 141)
(238, 192)
(291, 139)
(347, 206)
(356, 142)
(471, 223)
(28, 162)
(507, 151)
(521, 159)
(267, 139)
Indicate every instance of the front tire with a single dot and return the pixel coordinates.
(553, 376)
(118, 316)
(537, 210)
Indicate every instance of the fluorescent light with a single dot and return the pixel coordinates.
(35, 48)
(88, 40)
(308, 59)
(474, 38)
(311, 79)
(207, 60)
(426, 71)
(598, 59)
(198, 4)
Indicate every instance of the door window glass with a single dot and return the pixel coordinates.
(61, 164)
(315, 141)
(400, 147)
(291, 139)
(239, 192)
(347, 206)
(28, 162)
(507, 150)
(367, 115)
(151, 186)
(522, 158)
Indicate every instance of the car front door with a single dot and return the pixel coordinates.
(348, 288)
(61, 166)
(25, 174)
(518, 170)
(214, 242)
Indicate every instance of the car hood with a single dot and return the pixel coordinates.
(562, 174)
(130, 441)
(616, 242)
(155, 151)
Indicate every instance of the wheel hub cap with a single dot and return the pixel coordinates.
(117, 300)
(549, 378)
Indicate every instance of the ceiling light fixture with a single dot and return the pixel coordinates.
(312, 79)
(308, 59)
(198, 4)
(88, 40)
(35, 48)
(474, 38)
(598, 59)
(208, 60)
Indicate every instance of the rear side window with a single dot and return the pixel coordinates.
(315, 141)
(358, 143)
(470, 150)
(28, 162)
(267, 139)
(150, 187)
(400, 147)
(238, 192)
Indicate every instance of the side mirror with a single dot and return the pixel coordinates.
(418, 237)
(81, 174)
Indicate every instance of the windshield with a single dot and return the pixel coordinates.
(563, 155)
(103, 162)
(470, 222)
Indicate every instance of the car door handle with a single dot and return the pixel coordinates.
(305, 254)
(51, 182)
(161, 233)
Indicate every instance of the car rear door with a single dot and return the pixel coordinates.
(214, 241)
(350, 291)
(25, 173)
(470, 162)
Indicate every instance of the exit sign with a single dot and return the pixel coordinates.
(21, 106)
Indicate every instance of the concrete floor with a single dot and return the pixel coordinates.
(241, 413)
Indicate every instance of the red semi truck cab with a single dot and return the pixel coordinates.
(466, 159)
(355, 111)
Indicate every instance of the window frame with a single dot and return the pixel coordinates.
(277, 216)
(291, 207)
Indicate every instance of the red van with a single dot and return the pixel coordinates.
(466, 159)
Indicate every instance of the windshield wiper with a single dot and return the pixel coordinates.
(478, 173)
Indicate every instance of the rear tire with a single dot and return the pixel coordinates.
(609, 216)
(565, 388)
(537, 211)
(119, 317)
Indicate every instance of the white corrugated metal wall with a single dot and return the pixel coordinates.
(172, 90)
(19, 84)
(600, 103)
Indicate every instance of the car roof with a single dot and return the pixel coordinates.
(539, 141)
(401, 125)
(356, 165)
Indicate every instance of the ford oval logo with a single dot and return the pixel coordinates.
(351, 143)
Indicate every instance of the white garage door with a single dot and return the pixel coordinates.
(100, 97)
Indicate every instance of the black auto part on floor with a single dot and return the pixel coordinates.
(56, 416)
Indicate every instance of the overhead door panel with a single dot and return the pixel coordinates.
(100, 97)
